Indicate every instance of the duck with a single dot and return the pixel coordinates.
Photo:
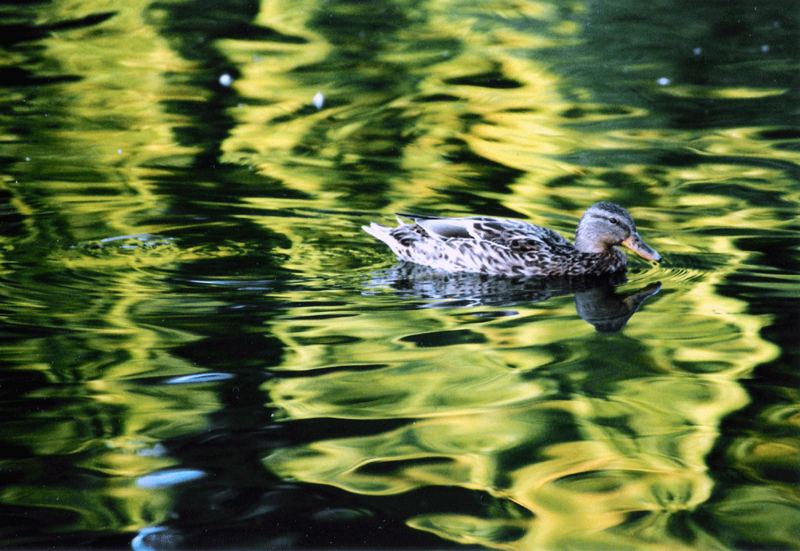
(499, 246)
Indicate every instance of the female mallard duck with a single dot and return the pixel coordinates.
(508, 247)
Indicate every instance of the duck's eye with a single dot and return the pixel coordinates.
(614, 221)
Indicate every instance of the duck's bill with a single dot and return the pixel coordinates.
(635, 244)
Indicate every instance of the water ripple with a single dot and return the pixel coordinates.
(168, 478)
(199, 378)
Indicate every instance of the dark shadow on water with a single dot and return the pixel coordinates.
(596, 299)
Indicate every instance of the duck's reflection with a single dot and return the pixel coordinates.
(596, 299)
(608, 310)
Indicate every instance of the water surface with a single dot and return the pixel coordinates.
(201, 348)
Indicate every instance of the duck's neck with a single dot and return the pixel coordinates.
(587, 245)
(605, 259)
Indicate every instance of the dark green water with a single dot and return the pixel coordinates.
(201, 349)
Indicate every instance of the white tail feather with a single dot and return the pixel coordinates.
(381, 233)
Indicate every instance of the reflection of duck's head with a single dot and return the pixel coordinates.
(605, 225)
(608, 310)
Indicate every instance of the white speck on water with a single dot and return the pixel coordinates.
(697, 51)
(119, 151)
(157, 450)
(663, 81)
(764, 48)
(27, 159)
(318, 100)
(225, 79)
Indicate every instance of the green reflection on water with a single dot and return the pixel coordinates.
(159, 224)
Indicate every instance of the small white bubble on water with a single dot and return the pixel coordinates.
(663, 81)
(27, 159)
(764, 48)
(697, 51)
(225, 79)
(318, 100)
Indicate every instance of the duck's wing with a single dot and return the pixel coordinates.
(520, 233)
(497, 230)
(448, 228)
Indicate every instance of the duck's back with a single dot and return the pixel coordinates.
(484, 228)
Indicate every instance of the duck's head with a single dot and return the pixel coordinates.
(605, 225)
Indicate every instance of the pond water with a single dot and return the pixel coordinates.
(202, 349)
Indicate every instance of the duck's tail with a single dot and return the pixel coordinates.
(382, 233)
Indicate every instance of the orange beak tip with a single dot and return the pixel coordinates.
(640, 248)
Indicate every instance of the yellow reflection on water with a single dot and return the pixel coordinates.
(112, 128)
(577, 439)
